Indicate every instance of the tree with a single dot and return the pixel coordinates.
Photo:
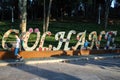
(23, 14)
(48, 15)
(107, 2)
(46, 18)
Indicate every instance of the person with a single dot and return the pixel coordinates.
(17, 49)
(86, 44)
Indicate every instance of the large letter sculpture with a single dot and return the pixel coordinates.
(93, 37)
(62, 39)
(4, 45)
(110, 37)
(68, 39)
(41, 48)
(61, 34)
(81, 40)
(26, 37)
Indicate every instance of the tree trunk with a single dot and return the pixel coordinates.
(107, 12)
(44, 19)
(48, 15)
(99, 14)
(23, 14)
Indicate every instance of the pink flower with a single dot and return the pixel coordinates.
(36, 30)
(49, 33)
(30, 30)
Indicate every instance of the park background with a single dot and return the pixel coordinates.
(59, 15)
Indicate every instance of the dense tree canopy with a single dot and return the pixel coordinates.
(59, 9)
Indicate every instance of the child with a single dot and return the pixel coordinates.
(17, 49)
(86, 44)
